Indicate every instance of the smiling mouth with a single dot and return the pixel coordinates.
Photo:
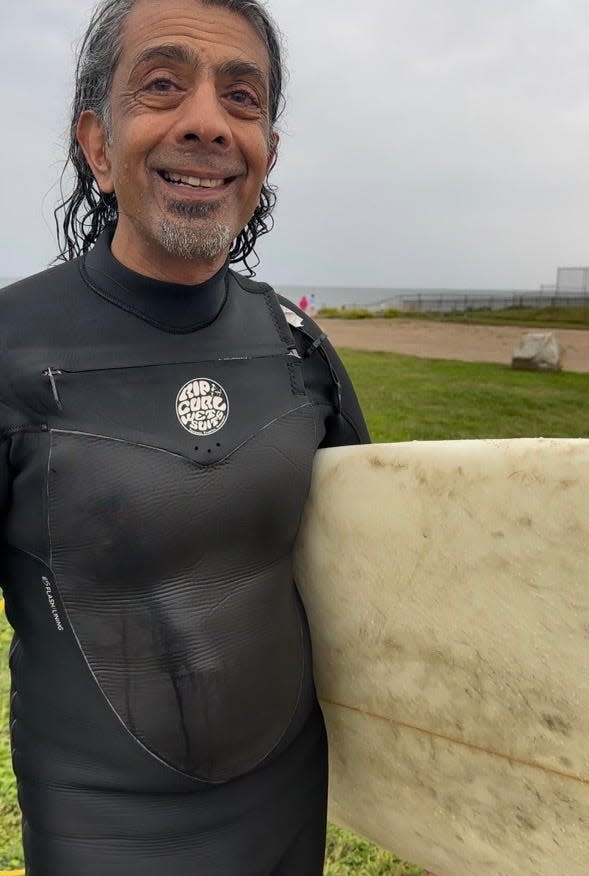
(194, 182)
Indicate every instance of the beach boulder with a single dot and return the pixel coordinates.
(537, 351)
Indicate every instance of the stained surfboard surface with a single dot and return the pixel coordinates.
(447, 588)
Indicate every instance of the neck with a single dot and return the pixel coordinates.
(151, 260)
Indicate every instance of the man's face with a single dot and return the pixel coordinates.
(188, 147)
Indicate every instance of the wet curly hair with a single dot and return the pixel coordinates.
(83, 214)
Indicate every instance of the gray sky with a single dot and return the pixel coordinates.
(432, 143)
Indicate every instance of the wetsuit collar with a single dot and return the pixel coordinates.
(173, 307)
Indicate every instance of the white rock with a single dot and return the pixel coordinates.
(537, 351)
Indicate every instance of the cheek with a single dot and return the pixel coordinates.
(258, 153)
(129, 173)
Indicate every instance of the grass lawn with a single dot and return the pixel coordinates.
(545, 317)
(404, 399)
(10, 846)
(409, 399)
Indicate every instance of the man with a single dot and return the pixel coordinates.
(159, 418)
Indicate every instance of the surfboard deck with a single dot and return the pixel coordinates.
(447, 588)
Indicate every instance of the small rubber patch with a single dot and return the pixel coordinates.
(292, 318)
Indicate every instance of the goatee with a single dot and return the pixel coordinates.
(190, 240)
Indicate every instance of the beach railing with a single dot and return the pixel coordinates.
(424, 302)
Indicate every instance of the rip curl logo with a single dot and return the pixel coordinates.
(202, 407)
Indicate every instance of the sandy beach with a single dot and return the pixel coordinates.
(437, 340)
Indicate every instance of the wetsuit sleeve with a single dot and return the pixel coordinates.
(7, 424)
(328, 383)
(4, 484)
(348, 425)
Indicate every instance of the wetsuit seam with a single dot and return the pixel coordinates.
(269, 295)
(293, 382)
(48, 510)
(353, 426)
(343, 415)
(284, 333)
(128, 308)
(33, 556)
(192, 462)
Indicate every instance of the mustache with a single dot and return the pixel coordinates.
(184, 162)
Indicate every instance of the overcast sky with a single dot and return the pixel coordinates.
(428, 143)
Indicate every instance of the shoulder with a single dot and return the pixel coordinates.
(327, 382)
(303, 328)
(31, 305)
(327, 379)
(249, 285)
(26, 295)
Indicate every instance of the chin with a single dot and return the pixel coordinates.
(191, 243)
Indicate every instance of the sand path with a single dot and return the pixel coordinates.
(437, 340)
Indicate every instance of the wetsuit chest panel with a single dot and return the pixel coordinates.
(177, 581)
(200, 409)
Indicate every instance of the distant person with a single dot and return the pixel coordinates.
(304, 304)
(159, 418)
(313, 305)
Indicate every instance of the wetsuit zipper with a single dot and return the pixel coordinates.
(51, 372)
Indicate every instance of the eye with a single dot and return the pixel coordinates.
(160, 86)
(244, 98)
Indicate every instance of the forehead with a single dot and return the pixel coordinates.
(211, 31)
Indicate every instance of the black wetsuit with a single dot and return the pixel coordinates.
(157, 449)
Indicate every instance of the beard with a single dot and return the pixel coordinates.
(194, 233)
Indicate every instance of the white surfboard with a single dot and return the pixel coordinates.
(447, 587)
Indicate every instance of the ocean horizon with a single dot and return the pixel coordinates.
(381, 297)
(376, 298)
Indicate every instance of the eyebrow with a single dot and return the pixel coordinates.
(185, 56)
(242, 70)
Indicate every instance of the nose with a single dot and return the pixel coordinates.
(202, 118)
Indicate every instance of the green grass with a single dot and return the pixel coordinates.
(357, 313)
(348, 855)
(545, 317)
(10, 845)
(407, 399)
(403, 398)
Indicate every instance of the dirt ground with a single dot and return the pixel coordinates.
(438, 340)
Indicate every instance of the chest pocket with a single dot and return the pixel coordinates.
(203, 410)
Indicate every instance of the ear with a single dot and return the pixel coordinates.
(91, 136)
(274, 141)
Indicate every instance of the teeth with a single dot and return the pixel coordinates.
(194, 181)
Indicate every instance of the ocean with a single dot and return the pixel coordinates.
(379, 298)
